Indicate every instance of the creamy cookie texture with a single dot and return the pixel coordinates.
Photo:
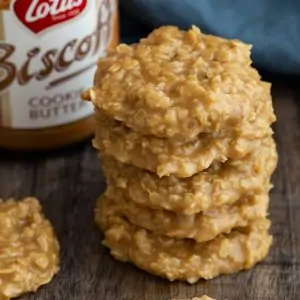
(29, 250)
(183, 130)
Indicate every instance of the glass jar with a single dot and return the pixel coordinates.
(48, 56)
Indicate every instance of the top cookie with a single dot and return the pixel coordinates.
(177, 84)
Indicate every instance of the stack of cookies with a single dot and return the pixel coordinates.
(183, 131)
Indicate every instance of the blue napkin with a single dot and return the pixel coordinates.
(271, 26)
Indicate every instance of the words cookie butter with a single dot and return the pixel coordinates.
(48, 55)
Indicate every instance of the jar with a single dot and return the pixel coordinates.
(48, 56)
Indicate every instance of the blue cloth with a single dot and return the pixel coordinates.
(271, 26)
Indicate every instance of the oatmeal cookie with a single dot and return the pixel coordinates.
(172, 157)
(220, 184)
(178, 84)
(185, 259)
(201, 227)
(29, 250)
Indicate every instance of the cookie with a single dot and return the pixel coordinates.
(185, 259)
(201, 227)
(171, 157)
(178, 84)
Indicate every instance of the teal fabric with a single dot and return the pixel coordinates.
(271, 26)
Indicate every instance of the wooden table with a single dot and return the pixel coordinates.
(68, 182)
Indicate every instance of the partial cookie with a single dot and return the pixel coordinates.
(221, 184)
(178, 84)
(185, 259)
(204, 297)
(29, 250)
(170, 157)
(200, 227)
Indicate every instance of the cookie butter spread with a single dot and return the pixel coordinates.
(48, 55)
(29, 250)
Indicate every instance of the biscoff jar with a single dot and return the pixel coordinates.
(48, 55)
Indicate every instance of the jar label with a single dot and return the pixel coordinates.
(48, 56)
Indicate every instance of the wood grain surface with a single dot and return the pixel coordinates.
(67, 182)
